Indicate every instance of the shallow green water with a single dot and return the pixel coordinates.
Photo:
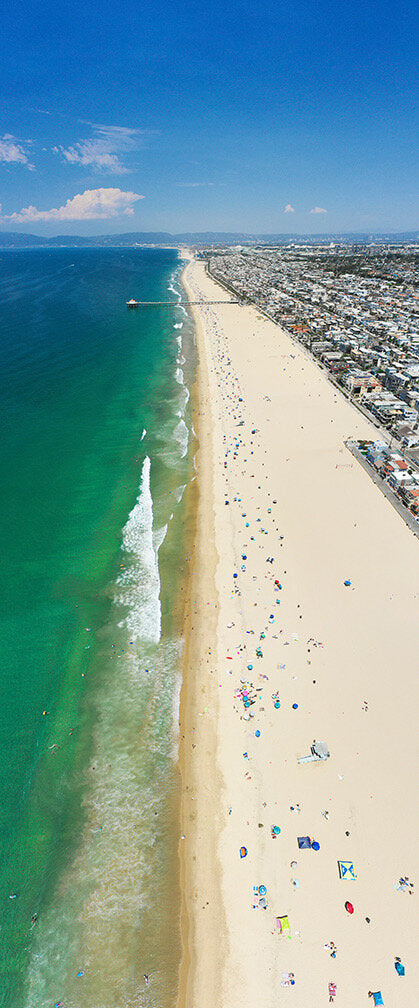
(88, 791)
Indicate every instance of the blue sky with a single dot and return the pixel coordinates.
(264, 117)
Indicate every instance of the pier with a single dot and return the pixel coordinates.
(175, 304)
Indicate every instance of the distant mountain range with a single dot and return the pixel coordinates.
(10, 239)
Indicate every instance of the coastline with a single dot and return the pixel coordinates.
(198, 844)
(330, 525)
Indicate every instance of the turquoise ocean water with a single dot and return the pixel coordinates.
(96, 451)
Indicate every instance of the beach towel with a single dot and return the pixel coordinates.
(346, 870)
(378, 998)
(398, 966)
(304, 842)
(284, 926)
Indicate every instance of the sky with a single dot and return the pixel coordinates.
(259, 117)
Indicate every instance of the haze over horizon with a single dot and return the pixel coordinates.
(195, 118)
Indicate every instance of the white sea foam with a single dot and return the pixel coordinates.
(180, 306)
(178, 325)
(175, 714)
(118, 871)
(139, 584)
(179, 376)
(180, 492)
(181, 434)
(143, 434)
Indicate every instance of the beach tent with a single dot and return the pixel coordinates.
(284, 926)
(346, 870)
(320, 749)
(378, 997)
(304, 842)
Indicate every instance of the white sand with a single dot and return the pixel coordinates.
(336, 525)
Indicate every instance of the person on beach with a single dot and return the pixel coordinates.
(332, 991)
(405, 885)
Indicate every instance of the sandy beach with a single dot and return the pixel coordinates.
(280, 652)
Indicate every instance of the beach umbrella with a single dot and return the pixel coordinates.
(276, 830)
(349, 907)
(315, 845)
(262, 890)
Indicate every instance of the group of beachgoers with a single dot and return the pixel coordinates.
(254, 692)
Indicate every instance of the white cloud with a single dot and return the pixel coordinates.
(102, 152)
(195, 185)
(289, 208)
(12, 152)
(93, 154)
(318, 209)
(93, 204)
(119, 134)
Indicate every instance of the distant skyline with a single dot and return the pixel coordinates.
(193, 117)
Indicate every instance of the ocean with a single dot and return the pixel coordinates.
(97, 467)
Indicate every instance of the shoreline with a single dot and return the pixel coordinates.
(197, 631)
(325, 523)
